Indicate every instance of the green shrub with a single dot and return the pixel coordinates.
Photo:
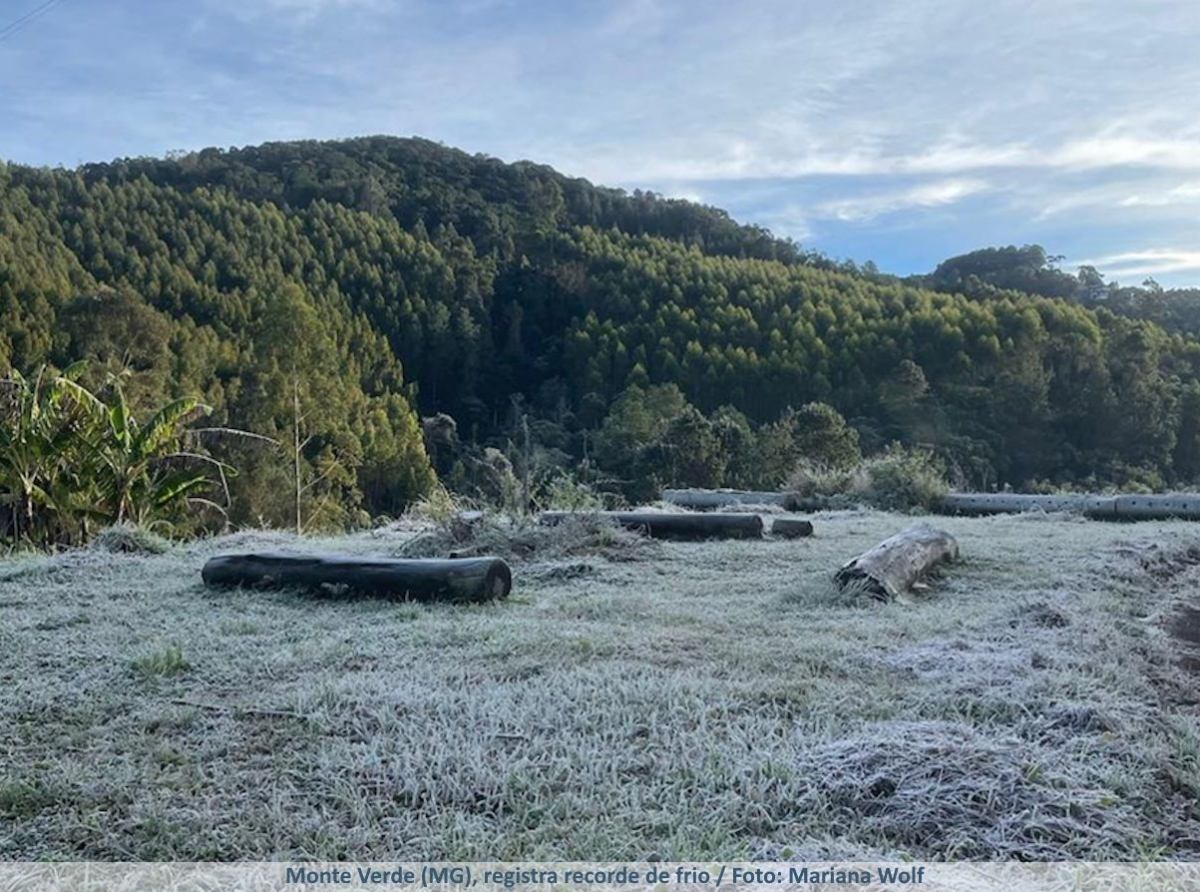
(815, 480)
(439, 506)
(565, 493)
(902, 478)
(898, 479)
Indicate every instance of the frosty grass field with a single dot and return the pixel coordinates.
(628, 701)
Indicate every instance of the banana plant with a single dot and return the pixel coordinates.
(44, 424)
(69, 458)
(142, 468)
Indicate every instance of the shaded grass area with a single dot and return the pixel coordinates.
(676, 701)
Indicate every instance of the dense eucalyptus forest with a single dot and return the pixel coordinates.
(380, 313)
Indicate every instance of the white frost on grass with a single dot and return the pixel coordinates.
(704, 700)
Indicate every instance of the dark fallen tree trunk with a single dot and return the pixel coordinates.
(891, 567)
(687, 527)
(469, 579)
(791, 528)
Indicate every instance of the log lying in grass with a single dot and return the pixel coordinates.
(1183, 505)
(791, 528)
(1016, 503)
(469, 579)
(1161, 506)
(712, 499)
(687, 527)
(891, 567)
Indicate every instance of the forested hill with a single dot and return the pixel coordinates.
(372, 279)
(422, 183)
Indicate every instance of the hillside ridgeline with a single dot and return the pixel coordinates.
(329, 295)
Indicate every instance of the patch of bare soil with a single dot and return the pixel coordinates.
(1184, 627)
(1175, 569)
(1166, 565)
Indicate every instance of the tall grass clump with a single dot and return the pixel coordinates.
(440, 506)
(816, 482)
(523, 539)
(901, 478)
(129, 539)
(165, 661)
(565, 493)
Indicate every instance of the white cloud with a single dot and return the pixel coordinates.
(683, 193)
(1185, 194)
(298, 11)
(1142, 195)
(743, 159)
(1120, 151)
(789, 221)
(1149, 262)
(923, 195)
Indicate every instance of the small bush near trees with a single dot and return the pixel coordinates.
(900, 478)
(565, 493)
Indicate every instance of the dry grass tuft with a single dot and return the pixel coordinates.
(129, 539)
(523, 539)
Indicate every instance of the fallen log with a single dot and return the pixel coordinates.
(791, 528)
(686, 527)
(712, 499)
(894, 565)
(1008, 503)
(1169, 506)
(1017, 503)
(1159, 506)
(469, 579)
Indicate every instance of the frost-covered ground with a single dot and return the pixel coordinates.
(677, 702)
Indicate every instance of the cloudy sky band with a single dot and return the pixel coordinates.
(901, 132)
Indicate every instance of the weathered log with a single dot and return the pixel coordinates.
(1159, 506)
(687, 527)
(712, 499)
(468, 579)
(791, 528)
(891, 567)
(1015, 503)
(1168, 506)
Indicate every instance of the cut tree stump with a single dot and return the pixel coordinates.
(686, 527)
(467, 579)
(893, 566)
(791, 528)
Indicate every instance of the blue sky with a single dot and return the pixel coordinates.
(902, 132)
